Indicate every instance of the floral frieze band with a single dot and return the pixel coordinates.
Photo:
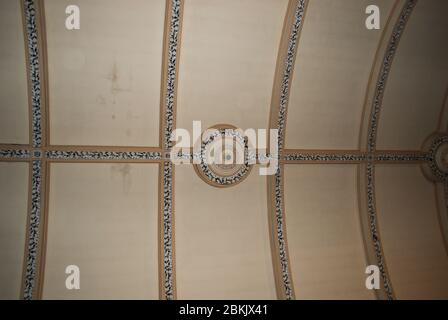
(168, 127)
(14, 154)
(323, 157)
(31, 18)
(32, 252)
(288, 290)
(33, 230)
(377, 103)
(102, 155)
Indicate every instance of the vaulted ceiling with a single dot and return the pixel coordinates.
(85, 174)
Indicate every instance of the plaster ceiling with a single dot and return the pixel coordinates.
(82, 145)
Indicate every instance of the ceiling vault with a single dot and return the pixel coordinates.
(39, 153)
(281, 90)
(366, 175)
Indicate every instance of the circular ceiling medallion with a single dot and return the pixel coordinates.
(437, 152)
(441, 157)
(223, 157)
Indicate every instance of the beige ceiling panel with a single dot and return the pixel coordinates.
(324, 238)
(222, 239)
(104, 79)
(228, 56)
(410, 233)
(14, 125)
(13, 217)
(333, 64)
(418, 81)
(103, 219)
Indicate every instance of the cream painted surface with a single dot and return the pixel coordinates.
(324, 238)
(103, 218)
(13, 217)
(228, 56)
(222, 239)
(442, 206)
(418, 81)
(14, 126)
(104, 79)
(410, 233)
(333, 64)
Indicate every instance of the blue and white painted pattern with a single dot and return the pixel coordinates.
(169, 114)
(251, 157)
(289, 66)
(390, 157)
(35, 81)
(373, 223)
(102, 155)
(281, 239)
(14, 154)
(324, 157)
(168, 284)
(33, 230)
(171, 72)
(385, 69)
(281, 121)
(30, 280)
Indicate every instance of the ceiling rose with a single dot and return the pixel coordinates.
(436, 147)
(223, 156)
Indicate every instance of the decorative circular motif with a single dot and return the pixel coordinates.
(436, 168)
(224, 156)
(441, 157)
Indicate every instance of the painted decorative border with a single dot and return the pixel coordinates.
(33, 53)
(384, 72)
(373, 227)
(281, 122)
(31, 17)
(171, 72)
(390, 157)
(168, 113)
(14, 154)
(33, 231)
(102, 155)
(290, 157)
(371, 140)
(279, 219)
(289, 65)
(324, 157)
(168, 284)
